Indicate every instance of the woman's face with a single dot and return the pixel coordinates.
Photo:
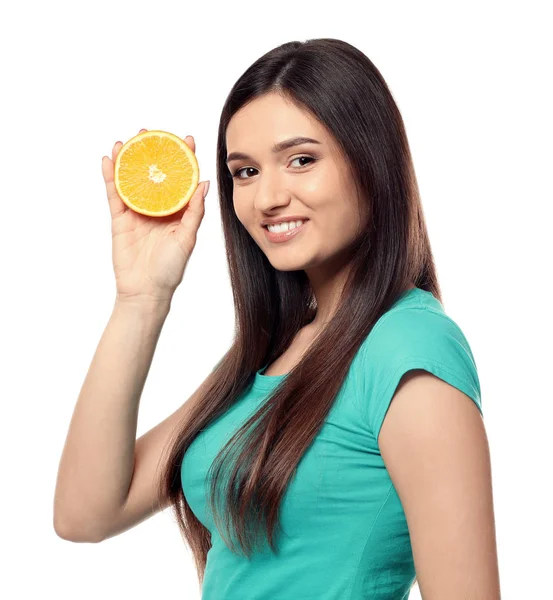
(310, 181)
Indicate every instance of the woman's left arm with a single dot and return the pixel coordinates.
(434, 445)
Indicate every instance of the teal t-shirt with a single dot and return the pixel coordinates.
(345, 532)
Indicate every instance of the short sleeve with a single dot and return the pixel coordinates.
(414, 338)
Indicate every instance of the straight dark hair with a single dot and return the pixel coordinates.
(343, 89)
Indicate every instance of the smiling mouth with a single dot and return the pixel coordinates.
(284, 236)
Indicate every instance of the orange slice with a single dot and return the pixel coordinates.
(156, 173)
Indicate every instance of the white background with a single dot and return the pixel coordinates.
(472, 81)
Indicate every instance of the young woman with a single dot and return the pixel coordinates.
(291, 472)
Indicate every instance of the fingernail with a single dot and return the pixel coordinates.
(206, 188)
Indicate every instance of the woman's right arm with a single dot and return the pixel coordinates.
(107, 480)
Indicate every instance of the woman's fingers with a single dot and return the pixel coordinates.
(116, 205)
(115, 150)
(190, 143)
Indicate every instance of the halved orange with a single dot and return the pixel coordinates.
(156, 173)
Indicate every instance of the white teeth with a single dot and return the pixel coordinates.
(284, 226)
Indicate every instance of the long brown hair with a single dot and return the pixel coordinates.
(343, 89)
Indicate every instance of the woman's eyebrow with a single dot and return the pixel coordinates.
(279, 147)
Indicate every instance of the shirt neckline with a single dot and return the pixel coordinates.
(268, 382)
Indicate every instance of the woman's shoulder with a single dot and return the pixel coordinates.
(415, 333)
(416, 322)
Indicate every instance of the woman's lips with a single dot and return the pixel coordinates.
(284, 236)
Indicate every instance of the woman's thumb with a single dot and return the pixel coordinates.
(193, 213)
(195, 207)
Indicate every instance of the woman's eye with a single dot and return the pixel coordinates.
(300, 157)
(236, 174)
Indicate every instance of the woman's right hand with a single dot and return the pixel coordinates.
(150, 254)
